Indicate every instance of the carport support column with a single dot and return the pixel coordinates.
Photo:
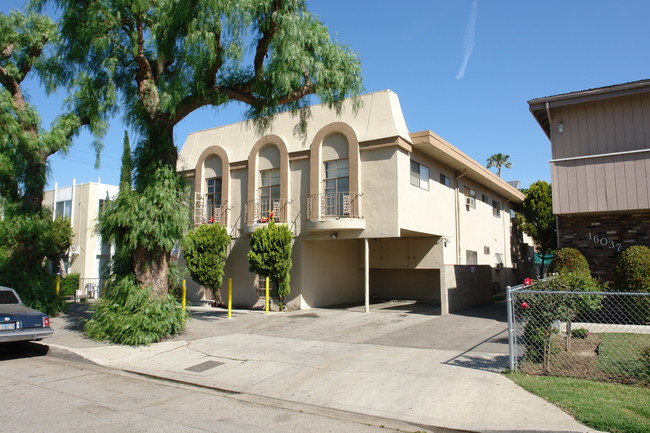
(366, 259)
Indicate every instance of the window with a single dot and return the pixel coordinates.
(336, 188)
(496, 208)
(486, 250)
(419, 175)
(485, 199)
(63, 209)
(269, 191)
(445, 180)
(470, 197)
(213, 197)
(471, 257)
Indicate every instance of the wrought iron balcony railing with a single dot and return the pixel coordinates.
(334, 205)
(209, 214)
(262, 211)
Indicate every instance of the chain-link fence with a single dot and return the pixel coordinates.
(593, 335)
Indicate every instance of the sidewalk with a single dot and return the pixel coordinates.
(399, 362)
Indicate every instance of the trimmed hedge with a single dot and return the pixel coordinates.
(632, 274)
(569, 260)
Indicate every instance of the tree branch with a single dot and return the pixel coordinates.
(264, 42)
(34, 52)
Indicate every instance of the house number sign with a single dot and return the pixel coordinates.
(604, 241)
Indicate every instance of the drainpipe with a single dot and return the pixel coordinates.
(505, 238)
(457, 217)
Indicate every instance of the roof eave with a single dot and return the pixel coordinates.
(436, 147)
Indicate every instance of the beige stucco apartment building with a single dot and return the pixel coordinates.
(81, 203)
(376, 211)
(600, 171)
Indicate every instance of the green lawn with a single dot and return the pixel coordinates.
(620, 354)
(602, 406)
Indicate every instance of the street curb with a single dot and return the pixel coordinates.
(67, 354)
(62, 352)
(387, 423)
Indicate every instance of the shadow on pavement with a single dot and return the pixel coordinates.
(495, 311)
(75, 316)
(21, 349)
(394, 306)
(477, 362)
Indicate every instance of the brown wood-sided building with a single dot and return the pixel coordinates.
(600, 169)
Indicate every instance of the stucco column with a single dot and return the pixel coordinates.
(366, 268)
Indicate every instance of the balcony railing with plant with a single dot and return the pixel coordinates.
(262, 211)
(209, 214)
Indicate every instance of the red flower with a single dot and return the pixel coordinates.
(528, 282)
(524, 305)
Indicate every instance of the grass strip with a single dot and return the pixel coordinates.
(602, 406)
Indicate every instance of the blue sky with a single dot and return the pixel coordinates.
(461, 68)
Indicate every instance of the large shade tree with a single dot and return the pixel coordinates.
(167, 58)
(25, 42)
(27, 233)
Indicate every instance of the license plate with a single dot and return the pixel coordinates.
(5, 326)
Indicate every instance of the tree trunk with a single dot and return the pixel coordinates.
(152, 270)
(35, 177)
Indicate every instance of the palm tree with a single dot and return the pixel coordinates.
(499, 160)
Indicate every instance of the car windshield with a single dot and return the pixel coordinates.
(8, 297)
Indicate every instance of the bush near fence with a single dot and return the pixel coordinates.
(547, 339)
(69, 284)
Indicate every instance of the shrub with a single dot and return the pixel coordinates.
(541, 311)
(205, 249)
(69, 284)
(632, 274)
(134, 316)
(580, 333)
(270, 256)
(569, 260)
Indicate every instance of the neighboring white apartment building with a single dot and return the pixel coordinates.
(81, 203)
(376, 211)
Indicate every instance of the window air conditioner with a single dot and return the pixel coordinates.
(470, 201)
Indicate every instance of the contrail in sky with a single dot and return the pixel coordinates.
(468, 42)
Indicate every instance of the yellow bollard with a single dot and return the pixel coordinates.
(58, 284)
(184, 295)
(230, 298)
(267, 295)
